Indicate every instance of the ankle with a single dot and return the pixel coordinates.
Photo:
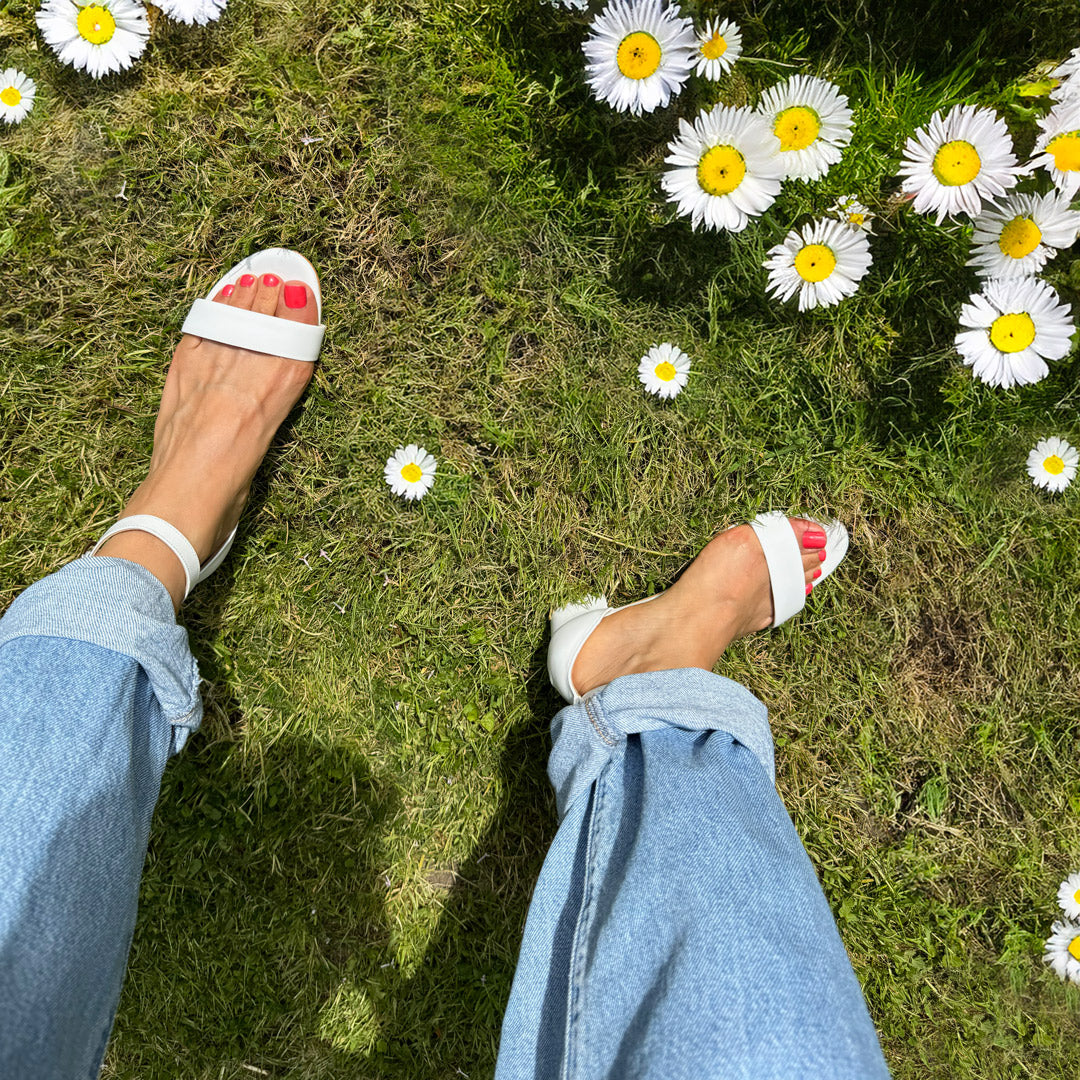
(150, 552)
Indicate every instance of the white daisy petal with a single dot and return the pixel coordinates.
(1062, 951)
(812, 120)
(1052, 465)
(719, 45)
(1057, 150)
(726, 168)
(958, 162)
(193, 11)
(96, 36)
(1069, 890)
(664, 370)
(1011, 329)
(823, 262)
(639, 54)
(1068, 86)
(410, 471)
(17, 92)
(1015, 238)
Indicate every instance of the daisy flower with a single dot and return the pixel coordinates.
(812, 120)
(639, 54)
(823, 262)
(1011, 329)
(719, 45)
(1069, 890)
(958, 162)
(1052, 465)
(1057, 150)
(727, 168)
(96, 37)
(193, 11)
(1068, 85)
(16, 95)
(1016, 237)
(851, 212)
(410, 471)
(1062, 951)
(664, 370)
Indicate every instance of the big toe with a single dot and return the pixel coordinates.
(296, 301)
(812, 539)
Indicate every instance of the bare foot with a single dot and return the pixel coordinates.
(219, 410)
(723, 595)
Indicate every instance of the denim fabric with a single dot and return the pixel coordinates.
(94, 674)
(121, 606)
(678, 930)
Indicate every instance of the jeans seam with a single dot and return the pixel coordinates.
(182, 721)
(606, 735)
(581, 933)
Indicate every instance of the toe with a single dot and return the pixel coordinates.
(224, 294)
(243, 293)
(810, 534)
(812, 540)
(297, 302)
(267, 294)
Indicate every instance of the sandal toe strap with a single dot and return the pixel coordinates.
(252, 330)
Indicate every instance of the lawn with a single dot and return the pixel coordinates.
(342, 860)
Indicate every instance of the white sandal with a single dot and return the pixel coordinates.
(246, 330)
(572, 625)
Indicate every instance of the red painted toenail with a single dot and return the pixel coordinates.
(271, 281)
(808, 588)
(247, 281)
(816, 574)
(228, 290)
(813, 538)
(821, 556)
(295, 296)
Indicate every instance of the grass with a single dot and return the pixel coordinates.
(342, 860)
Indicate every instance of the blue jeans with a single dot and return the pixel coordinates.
(677, 929)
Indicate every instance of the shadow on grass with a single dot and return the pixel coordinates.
(459, 994)
(265, 942)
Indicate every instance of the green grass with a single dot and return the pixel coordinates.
(341, 861)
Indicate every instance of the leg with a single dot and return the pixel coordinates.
(678, 928)
(85, 736)
(97, 688)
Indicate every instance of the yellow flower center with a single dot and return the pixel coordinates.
(96, 24)
(1020, 237)
(411, 472)
(721, 170)
(714, 48)
(1074, 948)
(10, 96)
(815, 262)
(856, 219)
(639, 55)
(665, 371)
(1055, 467)
(1076, 895)
(1011, 333)
(956, 163)
(797, 127)
(1065, 150)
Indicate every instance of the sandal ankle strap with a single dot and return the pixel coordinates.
(168, 534)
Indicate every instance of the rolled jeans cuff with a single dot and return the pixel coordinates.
(584, 737)
(118, 605)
